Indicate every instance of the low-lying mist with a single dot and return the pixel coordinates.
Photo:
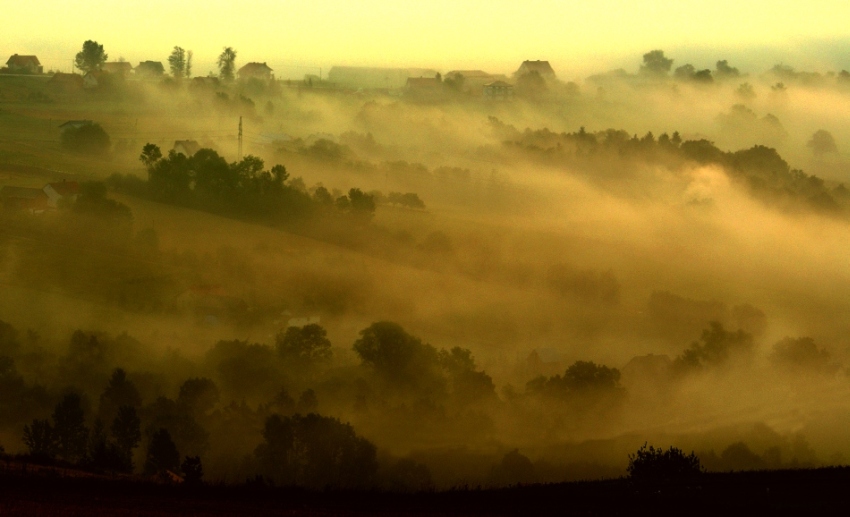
(487, 291)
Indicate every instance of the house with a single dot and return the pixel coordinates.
(256, 71)
(118, 68)
(498, 90)
(424, 86)
(150, 70)
(33, 200)
(541, 67)
(60, 191)
(187, 148)
(471, 81)
(24, 65)
(74, 124)
(66, 82)
(92, 80)
(375, 78)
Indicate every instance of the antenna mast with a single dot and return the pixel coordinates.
(240, 138)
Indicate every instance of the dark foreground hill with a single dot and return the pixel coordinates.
(789, 492)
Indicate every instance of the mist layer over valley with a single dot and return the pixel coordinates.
(445, 286)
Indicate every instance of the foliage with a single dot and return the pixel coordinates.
(651, 464)
(715, 347)
(119, 392)
(40, 439)
(69, 428)
(177, 63)
(304, 346)
(91, 57)
(822, 142)
(396, 355)
(162, 454)
(316, 452)
(193, 470)
(86, 139)
(580, 379)
(227, 64)
(655, 63)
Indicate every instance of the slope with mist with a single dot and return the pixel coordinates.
(547, 240)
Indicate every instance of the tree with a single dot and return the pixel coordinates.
(177, 62)
(305, 345)
(655, 63)
(651, 464)
(193, 470)
(86, 139)
(119, 392)
(126, 431)
(91, 58)
(198, 396)
(162, 453)
(724, 71)
(715, 347)
(69, 425)
(227, 64)
(189, 55)
(315, 451)
(822, 143)
(150, 155)
(40, 439)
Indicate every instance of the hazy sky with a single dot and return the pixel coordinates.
(577, 37)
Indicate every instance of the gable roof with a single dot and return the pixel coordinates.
(63, 188)
(541, 67)
(117, 67)
(255, 69)
(423, 83)
(22, 61)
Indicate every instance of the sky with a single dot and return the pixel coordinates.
(308, 36)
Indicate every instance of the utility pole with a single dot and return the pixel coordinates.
(240, 139)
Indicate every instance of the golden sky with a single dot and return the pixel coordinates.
(296, 35)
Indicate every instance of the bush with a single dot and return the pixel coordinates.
(86, 139)
(651, 464)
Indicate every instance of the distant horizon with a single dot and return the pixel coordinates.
(299, 37)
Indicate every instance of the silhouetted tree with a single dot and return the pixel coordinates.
(119, 392)
(651, 464)
(69, 426)
(315, 451)
(193, 470)
(127, 433)
(822, 143)
(198, 396)
(162, 454)
(150, 155)
(91, 57)
(227, 64)
(715, 347)
(406, 475)
(655, 63)
(177, 63)
(304, 346)
(41, 440)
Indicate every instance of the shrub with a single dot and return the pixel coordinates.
(651, 464)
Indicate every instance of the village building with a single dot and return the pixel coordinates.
(498, 90)
(150, 70)
(74, 124)
(255, 71)
(24, 65)
(424, 86)
(60, 192)
(357, 77)
(66, 82)
(32, 200)
(541, 67)
(118, 68)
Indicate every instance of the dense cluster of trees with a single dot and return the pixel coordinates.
(246, 189)
(233, 410)
(759, 169)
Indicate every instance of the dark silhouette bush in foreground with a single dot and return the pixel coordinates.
(651, 464)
